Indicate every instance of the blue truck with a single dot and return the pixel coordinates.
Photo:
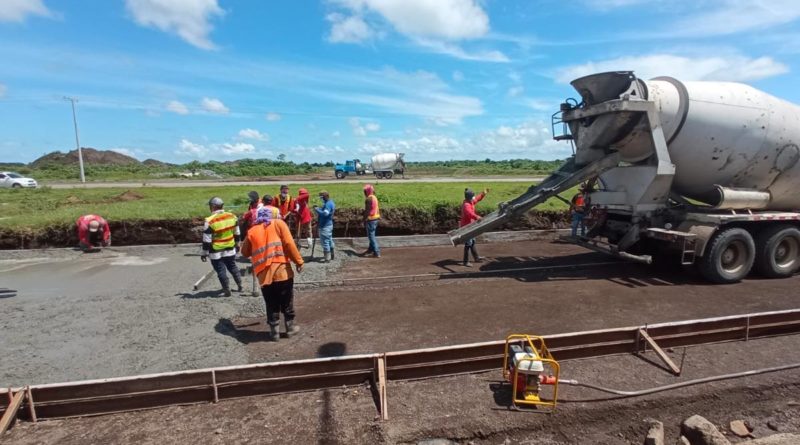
(352, 167)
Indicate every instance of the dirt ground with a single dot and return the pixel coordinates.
(132, 311)
(472, 409)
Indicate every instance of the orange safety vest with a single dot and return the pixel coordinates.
(578, 202)
(375, 213)
(285, 207)
(267, 247)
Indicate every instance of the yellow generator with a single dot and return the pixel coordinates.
(527, 365)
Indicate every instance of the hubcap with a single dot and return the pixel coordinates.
(734, 257)
(786, 252)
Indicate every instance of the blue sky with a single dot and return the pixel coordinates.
(323, 80)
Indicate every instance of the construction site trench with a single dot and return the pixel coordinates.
(131, 310)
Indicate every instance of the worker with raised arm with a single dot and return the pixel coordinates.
(372, 215)
(270, 247)
(221, 237)
(284, 202)
(303, 213)
(325, 225)
(93, 233)
(468, 216)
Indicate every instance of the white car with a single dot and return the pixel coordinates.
(15, 180)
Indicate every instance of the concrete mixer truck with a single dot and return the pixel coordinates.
(705, 173)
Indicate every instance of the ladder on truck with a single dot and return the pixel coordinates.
(566, 177)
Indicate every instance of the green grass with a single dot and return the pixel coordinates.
(38, 208)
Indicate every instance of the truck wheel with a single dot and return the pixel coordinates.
(729, 256)
(778, 251)
(340, 175)
(378, 175)
(388, 175)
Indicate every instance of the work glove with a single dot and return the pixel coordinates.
(299, 268)
(204, 258)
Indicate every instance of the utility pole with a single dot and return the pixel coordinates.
(77, 142)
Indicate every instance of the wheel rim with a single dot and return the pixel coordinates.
(734, 257)
(786, 252)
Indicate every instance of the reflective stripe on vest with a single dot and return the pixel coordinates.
(222, 227)
(375, 212)
(266, 253)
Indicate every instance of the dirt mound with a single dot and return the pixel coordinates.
(90, 156)
(349, 223)
(128, 196)
(156, 163)
(72, 199)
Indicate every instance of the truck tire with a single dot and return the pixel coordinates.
(778, 251)
(388, 175)
(729, 256)
(379, 175)
(340, 175)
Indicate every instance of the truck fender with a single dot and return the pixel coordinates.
(702, 231)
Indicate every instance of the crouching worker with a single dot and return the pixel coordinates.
(270, 247)
(93, 233)
(220, 240)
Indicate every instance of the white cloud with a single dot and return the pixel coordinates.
(3, 90)
(19, 10)
(273, 117)
(516, 91)
(237, 148)
(316, 150)
(448, 19)
(362, 130)
(734, 16)
(177, 107)
(189, 19)
(348, 29)
(454, 50)
(189, 148)
(214, 106)
(249, 133)
(730, 67)
(550, 105)
(458, 76)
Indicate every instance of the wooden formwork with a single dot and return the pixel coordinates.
(211, 385)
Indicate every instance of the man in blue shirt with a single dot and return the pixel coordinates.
(325, 224)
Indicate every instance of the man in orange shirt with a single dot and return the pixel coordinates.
(270, 247)
(284, 202)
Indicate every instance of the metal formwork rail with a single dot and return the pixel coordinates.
(105, 396)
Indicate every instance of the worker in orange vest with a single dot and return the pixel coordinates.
(578, 208)
(372, 214)
(284, 202)
(271, 249)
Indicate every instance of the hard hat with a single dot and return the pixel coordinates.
(94, 225)
(215, 201)
(302, 192)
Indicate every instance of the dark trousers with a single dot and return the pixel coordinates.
(227, 262)
(469, 246)
(279, 297)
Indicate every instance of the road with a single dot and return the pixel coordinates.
(189, 183)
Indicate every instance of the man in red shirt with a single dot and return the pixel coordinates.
(468, 216)
(304, 216)
(93, 233)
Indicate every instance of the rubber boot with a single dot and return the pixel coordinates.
(291, 328)
(275, 335)
(226, 291)
(327, 257)
(239, 287)
(478, 258)
(308, 243)
(466, 257)
(332, 254)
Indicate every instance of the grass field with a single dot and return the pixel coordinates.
(37, 208)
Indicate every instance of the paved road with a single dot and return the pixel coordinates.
(129, 184)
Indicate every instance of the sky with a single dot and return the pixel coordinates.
(330, 80)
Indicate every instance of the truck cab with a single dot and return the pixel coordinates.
(350, 167)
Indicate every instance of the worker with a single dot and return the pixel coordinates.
(284, 202)
(325, 225)
(578, 207)
(220, 240)
(250, 215)
(468, 216)
(93, 233)
(372, 215)
(303, 216)
(267, 201)
(270, 247)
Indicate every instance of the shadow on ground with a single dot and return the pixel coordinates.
(245, 334)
